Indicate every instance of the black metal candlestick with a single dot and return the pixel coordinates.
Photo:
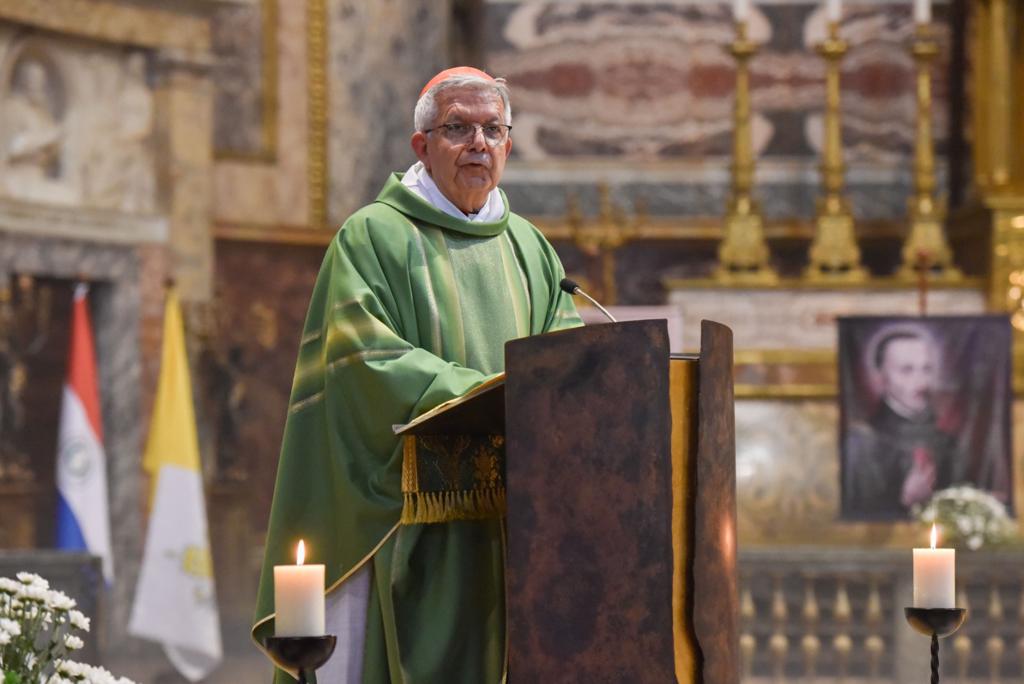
(303, 653)
(935, 622)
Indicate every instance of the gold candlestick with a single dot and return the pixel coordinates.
(926, 249)
(834, 255)
(743, 254)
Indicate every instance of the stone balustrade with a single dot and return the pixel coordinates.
(836, 615)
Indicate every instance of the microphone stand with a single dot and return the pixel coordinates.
(572, 288)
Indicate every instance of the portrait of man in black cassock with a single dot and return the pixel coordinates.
(924, 405)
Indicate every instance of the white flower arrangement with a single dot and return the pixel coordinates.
(968, 517)
(39, 628)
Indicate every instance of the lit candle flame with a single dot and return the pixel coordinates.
(300, 553)
(935, 535)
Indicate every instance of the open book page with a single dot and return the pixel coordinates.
(485, 386)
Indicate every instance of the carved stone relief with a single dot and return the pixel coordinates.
(122, 176)
(33, 127)
(76, 124)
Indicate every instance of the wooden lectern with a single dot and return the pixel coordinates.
(617, 465)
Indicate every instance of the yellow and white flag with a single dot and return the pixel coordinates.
(175, 601)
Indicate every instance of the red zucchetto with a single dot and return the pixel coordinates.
(455, 71)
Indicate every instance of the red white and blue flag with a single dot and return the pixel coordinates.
(83, 518)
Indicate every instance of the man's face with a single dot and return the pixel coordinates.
(908, 374)
(464, 172)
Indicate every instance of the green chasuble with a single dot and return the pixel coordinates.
(411, 308)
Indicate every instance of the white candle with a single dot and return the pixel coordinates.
(934, 577)
(833, 10)
(299, 598)
(741, 10)
(923, 11)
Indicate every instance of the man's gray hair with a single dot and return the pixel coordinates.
(426, 107)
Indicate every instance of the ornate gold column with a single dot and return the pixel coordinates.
(834, 254)
(926, 247)
(316, 50)
(996, 97)
(998, 103)
(743, 254)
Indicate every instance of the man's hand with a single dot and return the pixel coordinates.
(920, 481)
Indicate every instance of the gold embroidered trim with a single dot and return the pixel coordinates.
(436, 507)
(525, 330)
(366, 355)
(311, 337)
(303, 403)
(345, 303)
(435, 318)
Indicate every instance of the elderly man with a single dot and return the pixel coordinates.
(900, 457)
(417, 295)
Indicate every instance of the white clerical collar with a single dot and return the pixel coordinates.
(418, 179)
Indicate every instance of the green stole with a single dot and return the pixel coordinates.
(412, 307)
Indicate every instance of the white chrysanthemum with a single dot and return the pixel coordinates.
(60, 600)
(10, 626)
(72, 642)
(973, 516)
(70, 668)
(33, 593)
(33, 579)
(78, 620)
(57, 679)
(99, 675)
(9, 586)
(5, 637)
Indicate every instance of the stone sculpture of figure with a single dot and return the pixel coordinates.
(121, 174)
(33, 129)
(135, 117)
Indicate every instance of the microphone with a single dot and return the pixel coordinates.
(572, 288)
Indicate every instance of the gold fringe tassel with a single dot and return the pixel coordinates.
(437, 507)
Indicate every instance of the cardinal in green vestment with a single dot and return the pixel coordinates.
(416, 297)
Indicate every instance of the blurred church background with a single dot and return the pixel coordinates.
(220, 143)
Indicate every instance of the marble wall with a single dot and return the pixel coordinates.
(640, 95)
(380, 55)
(268, 185)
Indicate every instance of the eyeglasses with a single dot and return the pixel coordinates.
(461, 133)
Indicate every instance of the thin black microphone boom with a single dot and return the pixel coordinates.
(572, 288)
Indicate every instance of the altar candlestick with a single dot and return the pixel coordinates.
(741, 10)
(299, 597)
(934, 576)
(922, 11)
(833, 10)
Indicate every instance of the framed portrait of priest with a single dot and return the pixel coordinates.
(925, 405)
